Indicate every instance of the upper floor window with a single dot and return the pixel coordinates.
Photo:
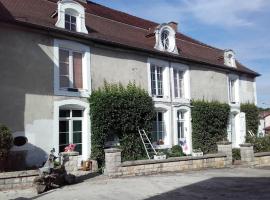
(71, 16)
(70, 68)
(232, 90)
(157, 81)
(70, 22)
(178, 78)
(165, 39)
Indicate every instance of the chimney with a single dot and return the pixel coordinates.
(174, 25)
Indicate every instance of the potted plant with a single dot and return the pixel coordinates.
(160, 156)
(197, 152)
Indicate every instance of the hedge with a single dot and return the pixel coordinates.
(252, 117)
(209, 124)
(119, 110)
(6, 141)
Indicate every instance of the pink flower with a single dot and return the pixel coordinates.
(70, 147)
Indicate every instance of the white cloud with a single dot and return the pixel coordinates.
(225, 12)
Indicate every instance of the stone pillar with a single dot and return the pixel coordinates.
(226, 148)
(70, 160)
(247, 153)
(112, 161)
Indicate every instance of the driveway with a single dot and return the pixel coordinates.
(216, 184)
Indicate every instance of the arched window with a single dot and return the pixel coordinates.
(165, 39)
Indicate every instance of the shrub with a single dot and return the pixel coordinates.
(236, 154)
(176, 151)
(260, 144)
(209, 124)
(118, 110)
(252, 117)
(6, 140)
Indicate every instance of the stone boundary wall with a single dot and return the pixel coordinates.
(262, 159)
(114, 167)
(17, 180)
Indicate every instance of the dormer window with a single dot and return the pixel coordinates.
(165, 39)
(70, 22)
(71, 16)
(229, 58)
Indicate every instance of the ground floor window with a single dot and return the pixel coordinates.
(180, 125)
(158, 132)
(70, 129)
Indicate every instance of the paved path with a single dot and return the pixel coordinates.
(238, 183)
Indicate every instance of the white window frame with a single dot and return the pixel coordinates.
(70, 120)
(167, 125)
(86, 136)
(72, 8)
(229, 58)
(86, 76)
(235, 78)
(187, 126)
(165, 76)
(186, 82)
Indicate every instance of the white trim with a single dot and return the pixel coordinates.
(237, 90)
(167, 122)
(229, 58)
(186, 79)
(172, 44)
(166, 79)
(72, 8)
(187, 126)
(255, 91)
(85, 50)
(86, 136)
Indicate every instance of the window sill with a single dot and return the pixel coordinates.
(162, 146)
(79, 93)
(163, 99)
(181, 100)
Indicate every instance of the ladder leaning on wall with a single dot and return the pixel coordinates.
(146, 143)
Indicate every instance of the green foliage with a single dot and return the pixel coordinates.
(260, 144)
(119, 110)
(176, 151)
(6, 141)
(252, 117)
(236, 154)
(209, 124)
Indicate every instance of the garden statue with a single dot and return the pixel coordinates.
(52, 176)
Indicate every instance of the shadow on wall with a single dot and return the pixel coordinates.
(32, 158)
(26, 83)
(233, 188)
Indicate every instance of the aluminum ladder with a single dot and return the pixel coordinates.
(146, 143)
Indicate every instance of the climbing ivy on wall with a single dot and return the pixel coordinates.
(209, 124)
(119, 110)
(252, 117)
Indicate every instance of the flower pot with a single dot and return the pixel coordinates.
(160, 157)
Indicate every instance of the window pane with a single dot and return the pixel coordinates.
(77, 70)
(63, 56)
(153, 80)
(77, 125)
(63, 139)
(64, 113)
(63, 126)
(73, 19)
(78, 148)
(77, 113)
(64, 82)
(62, 147)
(160, 81)
(67, 25)
(64, 69)
(73, 27)
(77, 137)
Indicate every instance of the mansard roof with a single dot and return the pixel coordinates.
(113, 27)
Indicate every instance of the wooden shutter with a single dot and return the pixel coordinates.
(77, 70)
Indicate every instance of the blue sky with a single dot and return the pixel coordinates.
(241, 25)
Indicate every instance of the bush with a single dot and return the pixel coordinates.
(209, 124)
(252, 117)
(118, 110)
(260, 144)
(6, 141)
(236, 154)
(176, 151)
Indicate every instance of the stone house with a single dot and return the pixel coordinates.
(54, 53)
(264, 126)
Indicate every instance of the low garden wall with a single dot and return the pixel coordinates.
(262, 159)
(17, 180)
(115, 168)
